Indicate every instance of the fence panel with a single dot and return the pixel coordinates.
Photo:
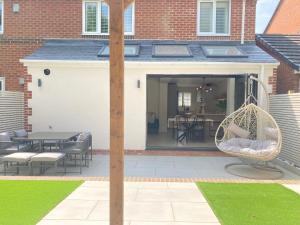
(285, 108)
(11, 111)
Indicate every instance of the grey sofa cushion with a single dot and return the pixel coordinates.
(5, 136)
(14, 148)
(20, 157)
(81, 137)
(72, 149)
(20, 133)
(5, 140)
(239, 132)
(48, 157)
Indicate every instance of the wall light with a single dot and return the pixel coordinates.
(138, 84)
(39, 83)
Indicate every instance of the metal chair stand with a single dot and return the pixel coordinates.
(260, 171)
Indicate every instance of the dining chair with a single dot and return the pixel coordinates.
(182, 125)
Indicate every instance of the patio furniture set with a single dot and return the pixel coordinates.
(44, 150)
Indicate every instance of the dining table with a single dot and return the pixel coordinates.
(172, 121)
(47, 136)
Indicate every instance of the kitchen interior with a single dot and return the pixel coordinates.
(185, 111)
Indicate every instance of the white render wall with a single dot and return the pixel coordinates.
(75, 96)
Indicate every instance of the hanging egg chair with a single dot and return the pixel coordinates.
(250, 132)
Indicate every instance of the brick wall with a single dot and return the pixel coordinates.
(155, 19)
(287, 79)
(43, 19)
(11, 51)
(286, 20)
(273, 81)
(177, 19)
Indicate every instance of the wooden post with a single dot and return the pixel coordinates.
(116, 43)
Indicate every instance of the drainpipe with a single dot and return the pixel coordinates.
(243, 22)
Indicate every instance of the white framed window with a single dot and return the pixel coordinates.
(96, 18)
(213, 17)
(1, 16)
(184, 99)
(2, 83)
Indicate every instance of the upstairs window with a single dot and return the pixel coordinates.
(213, 17)
(1, 16)
(96, 18)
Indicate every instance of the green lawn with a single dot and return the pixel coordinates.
(26, 202)
(252, 204)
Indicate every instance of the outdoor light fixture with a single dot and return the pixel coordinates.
(39, 83)
(206, 87)
(46, 72)
(138, 84)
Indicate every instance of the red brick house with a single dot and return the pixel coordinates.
(286, 49)
(177, 53)
(281, 39)
(286, 19)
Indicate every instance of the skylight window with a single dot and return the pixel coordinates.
(171, 50)
(223, 51)
(129, 50)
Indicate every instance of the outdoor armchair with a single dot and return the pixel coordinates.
(80, 148)
(23, 133)
(8, 146)
(90, 140)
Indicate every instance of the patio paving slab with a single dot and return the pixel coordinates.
(171, 223)
(146, 203)
(71, 210)
(167, 167)
(293, 187)
(94, 193)
(75, 222)
(193, 212)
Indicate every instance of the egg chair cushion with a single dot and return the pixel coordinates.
(247, 147)
(272, 133)
(238, 131)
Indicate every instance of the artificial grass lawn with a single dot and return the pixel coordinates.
(27, 202)
(252, 204)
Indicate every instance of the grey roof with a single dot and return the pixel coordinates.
(87, 50)
(285, 47)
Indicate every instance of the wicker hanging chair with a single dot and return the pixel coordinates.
(250, 132)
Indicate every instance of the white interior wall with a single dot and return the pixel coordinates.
(75, 97)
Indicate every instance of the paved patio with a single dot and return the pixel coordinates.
(156, 203)
(169, 167)
(145, 204)
(182, 167)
